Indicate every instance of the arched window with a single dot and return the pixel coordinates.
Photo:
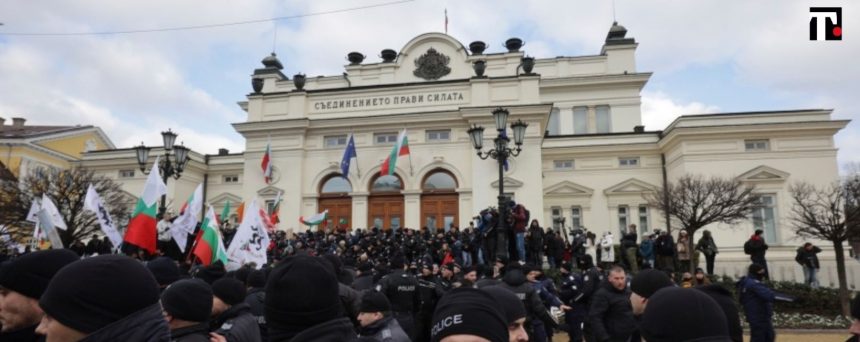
(439, 180)
(386, 183)
(335, 184)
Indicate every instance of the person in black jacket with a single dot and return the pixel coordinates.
(232, 319)
(535, 243)
(723, 297)
(756, 248)
(610, 314)
(364, 279)
(664, 247)
(401, 288)
(187, 305)
(807, 257)
(629, 249)
(515, 281)
(256, 299)
(571, 295)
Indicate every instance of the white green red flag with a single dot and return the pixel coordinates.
(188, 216)
(401, 148)
(266, 165)
(141, 230)
(315, 220)
(210, 245)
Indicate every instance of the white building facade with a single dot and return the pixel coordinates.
(586, 158)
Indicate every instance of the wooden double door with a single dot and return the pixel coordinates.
(440, 211)
(339, 210)
(385, 212)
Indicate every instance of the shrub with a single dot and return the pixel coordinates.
(821, 301)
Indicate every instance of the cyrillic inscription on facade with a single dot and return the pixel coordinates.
(430, 98)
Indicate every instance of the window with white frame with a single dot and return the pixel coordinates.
(384, 138)
(335, 140)
(757, 145)
(602, 119)
(556, 218)
(580, 120)
(231, 178)
(622, 218)
(643, 219)
(439, 135)
(126, 173)
(562, 164)
(576, 217)
(553, 127)
(628, 161)
(764, 216)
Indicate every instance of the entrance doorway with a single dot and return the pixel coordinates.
(439, 201)
(334, 196)
(385, 203)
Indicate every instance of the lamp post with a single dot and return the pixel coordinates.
(167, 167)
(501, 152)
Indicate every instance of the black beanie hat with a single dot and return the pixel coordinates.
(469, 311)
(211, 273)
(257, 279)
(188, 300)
(229, 290)
(647, 282)
(164, 270)
(89, 294)
(373, 301)
(675, 314)
(242, 274)
(512, 306)
(301, 292)
(397, 262)
(365, 267)
(30, 273)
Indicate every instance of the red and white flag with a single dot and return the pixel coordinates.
(266, 165)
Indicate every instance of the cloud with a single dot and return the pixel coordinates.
(658, 109)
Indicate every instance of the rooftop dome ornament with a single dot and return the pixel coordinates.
(271, 61)
(617, 35)
(388, 55)
(477, 47)
(355, 58)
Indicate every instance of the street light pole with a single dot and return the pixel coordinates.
(501, 153)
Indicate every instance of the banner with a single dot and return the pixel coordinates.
(93, 202)
(56, 217)
(46, 223)
(250, 242)
(186, 222)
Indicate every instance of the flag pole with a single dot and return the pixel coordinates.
(352, 137)
(411, 173)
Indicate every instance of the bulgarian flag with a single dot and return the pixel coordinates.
(141, 230)
(210, 246)
(401, 148)
(267, 163)
(315, 220)
(225, 213)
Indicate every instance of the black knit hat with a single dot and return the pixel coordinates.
(397, 262)
(301, 292)
(676, 314)
(30, 273)
(229, 290)
(647, 282)
(373, 301)
(212, 272)
(164, 270)
(469, 311)
(188, 300)
(257, 279)
(365, 267)
(512, 306)
(89, 294)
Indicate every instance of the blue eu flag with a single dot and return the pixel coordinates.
(348, 154)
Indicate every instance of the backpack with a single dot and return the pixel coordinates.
(748, 249)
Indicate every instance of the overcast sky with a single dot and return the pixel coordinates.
(706, 56)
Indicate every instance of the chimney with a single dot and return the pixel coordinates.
(639, 129)
(223, 151)
(18, 122)
(2, 121)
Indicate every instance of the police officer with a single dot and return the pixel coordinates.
(429, 296)
(572, 294)
(515, 281)
(592, 277)
(401, 288)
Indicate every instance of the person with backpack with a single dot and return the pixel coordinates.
(708, 247)
(807, 257)
(756, 248)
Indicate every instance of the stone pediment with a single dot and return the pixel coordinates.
(222, 198)
(510, 183)
(631, 186)
(269, 191)
(764, 174)
(568, 188)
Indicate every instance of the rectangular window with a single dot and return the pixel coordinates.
(603, 120)
(757, 145)
(576, 217)
(384, 138)
(126, 173)
(231, 179)
(643, 220)
(439, 135)
(556, 218)
(335, 140)
(553, 127)
(562, 164)
(622, 219)
(580, 120)
(628, 162)
(764, 217)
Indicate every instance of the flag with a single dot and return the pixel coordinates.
(267, 163)
(93, 202)
(225, 213)
(240, 212)
(141, 230)
(273, 216)
(56, 217)
(315, 220)
(46, 223)
(33, 214)
(250, 242)
(401, 148)
(188, 217)
(348, 154)
(210, 245)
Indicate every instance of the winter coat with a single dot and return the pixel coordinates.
(363, 282)
(147, 325)
(684, 252)
(384, 330)
(756, 299)
(518, 216)
(808, 258)
(536, 239)
(628, 241)
(22, 335)
(707, 245)
(646, 249)
(755, 247)
(194, 333)
(237, 324)
(350, 299)
(334, 330)
(665, 245)
(723, 297)
(515, 281)
(610, 314)
(607, 251)
(256, 299)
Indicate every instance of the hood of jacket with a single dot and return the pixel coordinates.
(233, 312)
(514, 277)
(145, 325)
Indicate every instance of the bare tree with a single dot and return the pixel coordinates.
(694, 202)
(68, 189)
(829, 213)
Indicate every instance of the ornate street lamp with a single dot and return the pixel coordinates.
(501, 152)
(167, 167)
